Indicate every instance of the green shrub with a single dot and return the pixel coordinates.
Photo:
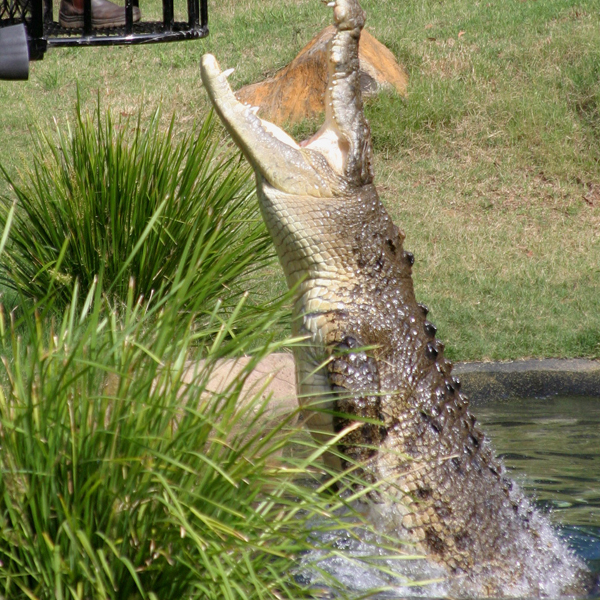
(115, 484)
(123, 477)
(123, 201)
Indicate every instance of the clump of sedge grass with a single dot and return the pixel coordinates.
(117, 481)
(124, 200)
(122, 476)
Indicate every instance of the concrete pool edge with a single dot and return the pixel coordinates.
(481, 381)
(531, 378)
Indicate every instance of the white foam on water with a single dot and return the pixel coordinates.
(359, 563)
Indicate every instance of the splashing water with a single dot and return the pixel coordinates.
(551, 447)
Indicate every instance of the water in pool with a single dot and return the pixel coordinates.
(551, 447)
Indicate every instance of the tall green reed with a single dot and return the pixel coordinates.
(122, 200)
(121, 474)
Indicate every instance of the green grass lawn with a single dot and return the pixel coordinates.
(491, 165)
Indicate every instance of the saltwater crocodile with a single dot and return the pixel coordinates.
(371, 352)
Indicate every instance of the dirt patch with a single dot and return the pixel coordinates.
(297, 91)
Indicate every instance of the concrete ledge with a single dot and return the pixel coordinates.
(483, 382)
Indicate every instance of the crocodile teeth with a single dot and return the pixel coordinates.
(228, 72)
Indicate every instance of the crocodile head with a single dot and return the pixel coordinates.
(338, 156)
(302, 185)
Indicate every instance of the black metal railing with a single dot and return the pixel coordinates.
(43, 31)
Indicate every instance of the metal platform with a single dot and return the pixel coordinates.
(44, 32)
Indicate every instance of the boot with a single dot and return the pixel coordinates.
(104, 14)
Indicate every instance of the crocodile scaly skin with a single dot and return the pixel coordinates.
(372, 353)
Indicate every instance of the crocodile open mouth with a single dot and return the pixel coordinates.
(327, 141)
(309, 168)
(338, 155)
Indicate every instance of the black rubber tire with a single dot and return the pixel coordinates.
(14, 53)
